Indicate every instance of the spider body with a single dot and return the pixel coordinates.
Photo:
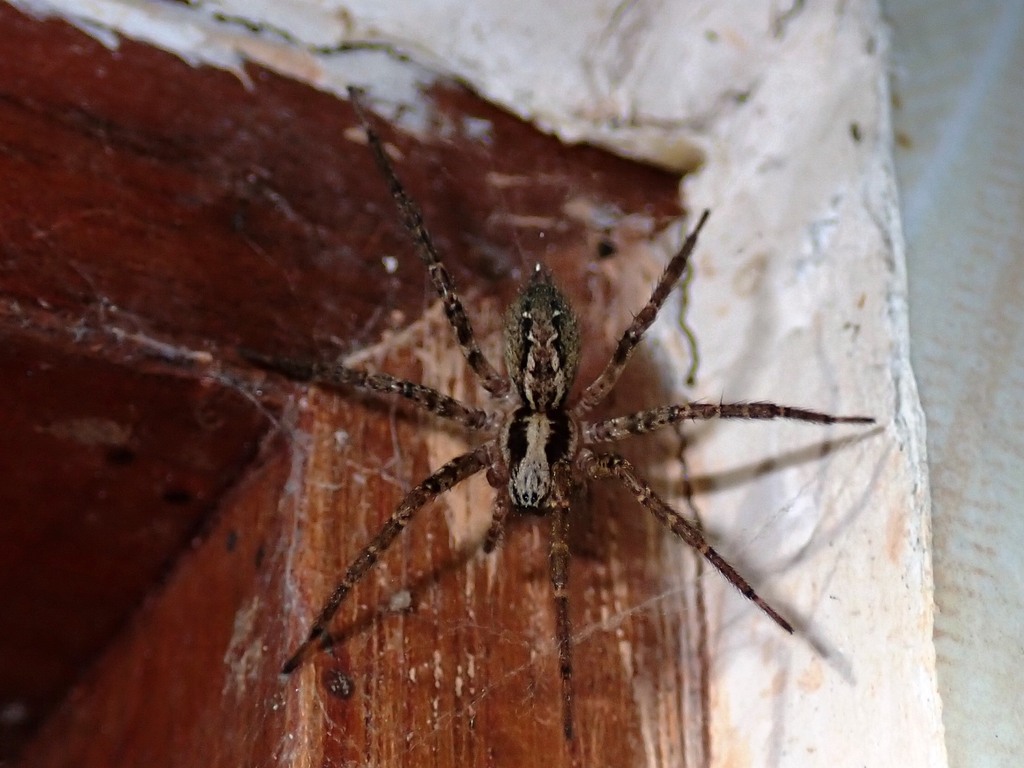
(539, 453)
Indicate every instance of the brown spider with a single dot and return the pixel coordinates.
(539, 454)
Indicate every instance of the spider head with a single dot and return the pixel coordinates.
(542, 343)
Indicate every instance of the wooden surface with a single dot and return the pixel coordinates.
(156, 218)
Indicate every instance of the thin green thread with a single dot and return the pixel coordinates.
(691, 337)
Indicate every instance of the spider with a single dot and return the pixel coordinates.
(540, 450)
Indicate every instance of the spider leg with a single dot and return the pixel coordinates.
(559, 562)
(412, 219)
(502, 506)
(443, 479)
(603, 384)
(640, 423)
(497, 478)
(612, 465)
(338, 376)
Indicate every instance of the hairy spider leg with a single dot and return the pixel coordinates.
(444, 284)
(602, 385)
(337, 376)
(455, 471)
(642, 422)
(559, 562)
(497, 477)
(612, 465)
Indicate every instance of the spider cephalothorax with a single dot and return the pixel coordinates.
(542, 344)
(538, 454)
(542, 353)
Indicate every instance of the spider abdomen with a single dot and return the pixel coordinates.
(534, 442)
